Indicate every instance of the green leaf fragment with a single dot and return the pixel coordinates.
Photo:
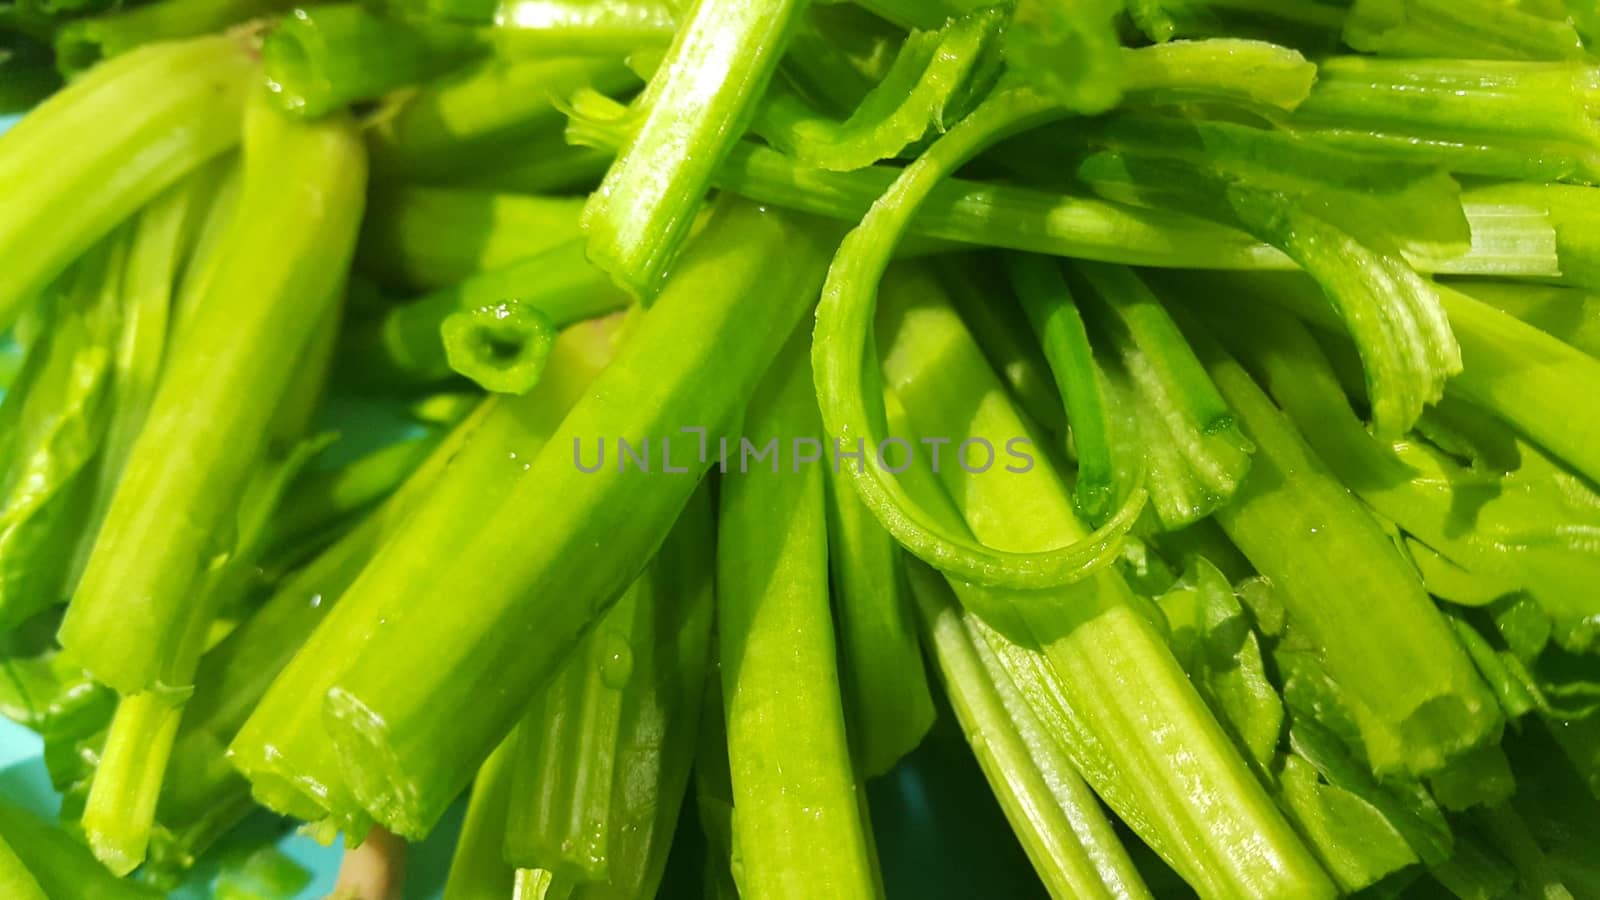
(1070, 50)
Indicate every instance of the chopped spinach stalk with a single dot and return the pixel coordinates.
(81, 43)
(696, 107)
(795, 790)
(501, 346)
(282, 747)
(434, 238)
(1087, 656)
(841, 355)
(1194, 449)
(1052, 310)
(403, 762)
(1525, 120)
(887, 703)
(322, 58)
(1469, 29)
(60, 866)
(1415, 696)
(108, 144)
(403, 343)
(911, 98)
(1059, 821)
(256, 320)
(478, 868)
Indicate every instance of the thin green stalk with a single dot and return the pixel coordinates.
(82, 43)
(1086, 656)
(1007, 339)
(563, 768)
(582, 27)
(107, 145)
(406, 763)
(302, 193)
(1056, 817)
(1414, 695)
(62, 868)
(698, 105)
(403, 344)
(477, 121)
(546, 165)
(1011, 217)
(478, 869)
(844, 324)
(886, 699)
(318, 502)
(1053, 312)
(434, 238)
(282, 748)
(321, 58)
(797, 823)
(1570, 315)
(1522, 120)
(1172, 396)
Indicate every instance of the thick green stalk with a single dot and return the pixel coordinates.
(1523, 120)
(1570, 315)
(1469, 29)
(480, 118)
(1037, 221)
(797, 821)
(108, 144)
(433, 238)
(61, 867)
(282, 747)
(321, 58)
(1570, 210)
(302, 194)
(1052, 310)
(1415, 696)
(82, 43)
(1177, 406)
(1086, 656)
(887, 703)
(405, 763)
(696, 108)
(1056, 817)
(582, 27)
(403, 343)
(564, 764)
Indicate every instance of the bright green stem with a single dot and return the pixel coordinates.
(1053, 312)
(403, 344)
(564, 765)
(581, 27)
(282, 748)
(841, 352)
(697, 107)
(1570, 315)
(1088, 660)
(1570, 210)
(484, 117)
(107, 145)
(432, 238)
(81, 43)
(61, 866)
(321, 58)
(1036, 221)
(1465, 29)
(122, 800)
(405, 761)
(15, 880)
(209, 420)
(1415, 696)
(797, 822)
(885, 682)
(1529, 121)
(1174, 398)
(1058, 820)
(911, 99)
(478, 869)
(1003, 331)
(501, 346)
